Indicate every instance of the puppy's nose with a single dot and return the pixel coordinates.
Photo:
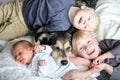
(64, 62)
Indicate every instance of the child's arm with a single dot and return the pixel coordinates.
(102, 57)
(103, 66)
(80, 61)
(73, 74)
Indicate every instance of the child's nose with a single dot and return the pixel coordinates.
(88, 48)
(17, 58)
(84, 22)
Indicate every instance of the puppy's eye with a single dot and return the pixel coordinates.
(57, 48)
(68, 48)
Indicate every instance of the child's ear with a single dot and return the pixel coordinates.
(84, 7)
(31, 48)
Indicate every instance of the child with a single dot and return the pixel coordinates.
(108, 11)
(23, 17)
(40, 62)
(105, 55)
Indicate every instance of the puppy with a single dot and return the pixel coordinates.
(60, 43)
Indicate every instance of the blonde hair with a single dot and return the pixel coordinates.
(77, 37)
(25, 44)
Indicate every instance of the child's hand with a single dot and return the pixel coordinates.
(100, 67)
(70, 75)
(42, 62)
(39, 47)
(100, 59)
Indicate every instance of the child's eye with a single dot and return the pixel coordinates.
(19, 53)
(89, 42)
(81, 48)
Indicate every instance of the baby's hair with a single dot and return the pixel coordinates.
(79, 35)
(25, 43)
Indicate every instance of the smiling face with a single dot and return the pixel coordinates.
(86, 46)
(86, 19)
(22, 53)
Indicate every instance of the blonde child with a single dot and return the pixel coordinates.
(104, 55)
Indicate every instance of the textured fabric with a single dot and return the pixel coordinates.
(113, 46)
(11, 21)
(103, 76)
(52, 15)
(109, 13)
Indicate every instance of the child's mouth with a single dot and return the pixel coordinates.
(91, 52)
(21, 61)
(80, 20)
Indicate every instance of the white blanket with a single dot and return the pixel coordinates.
(109, 13)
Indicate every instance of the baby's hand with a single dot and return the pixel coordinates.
(42, 62)
(39, 47)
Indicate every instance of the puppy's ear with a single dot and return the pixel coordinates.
(37, 35)
(52, 39)
(44, 41)
(49, 39)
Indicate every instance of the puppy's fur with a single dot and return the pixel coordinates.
(60, 43)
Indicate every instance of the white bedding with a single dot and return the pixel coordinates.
(109, 13)
(9, 69)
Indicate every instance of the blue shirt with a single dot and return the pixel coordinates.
(52, 15)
